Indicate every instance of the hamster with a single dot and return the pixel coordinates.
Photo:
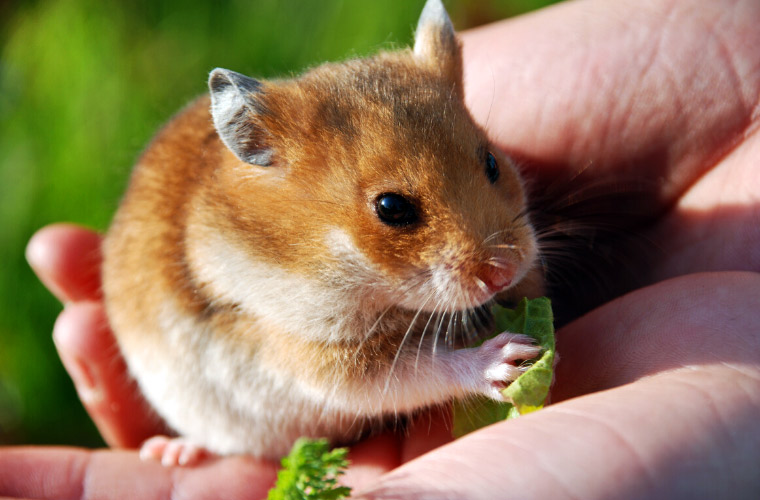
(291, 255)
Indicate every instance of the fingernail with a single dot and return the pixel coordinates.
(84, 381)
(39, 258)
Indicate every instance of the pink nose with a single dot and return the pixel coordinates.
(496, 278)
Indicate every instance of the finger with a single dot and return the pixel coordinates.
(371, 458)
(716, 224)
(613, 87)
(67, 260)
(680, 365)
(675, 435)
(688, 321)
(427, 431)
(69, 473)
(90, 354)
(379, 454)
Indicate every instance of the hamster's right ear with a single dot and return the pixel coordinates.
(235, 101)
(435, 42)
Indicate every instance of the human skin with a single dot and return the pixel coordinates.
(657, 393)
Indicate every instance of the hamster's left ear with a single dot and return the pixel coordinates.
(435, 42)
(235, 106)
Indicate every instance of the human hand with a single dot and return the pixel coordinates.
(657, 392)
(616, 110)
(67, 259)
(561, 436)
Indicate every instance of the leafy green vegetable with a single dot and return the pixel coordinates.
(310, 472)
(529, 392)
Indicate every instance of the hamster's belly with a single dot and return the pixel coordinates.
(214, 392)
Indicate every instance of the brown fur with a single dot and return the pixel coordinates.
(341, 134)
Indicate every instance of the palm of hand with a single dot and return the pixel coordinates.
(658, 389)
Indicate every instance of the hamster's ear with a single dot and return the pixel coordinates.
(435, 42)
(235, 101)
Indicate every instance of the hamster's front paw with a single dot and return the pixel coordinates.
(172, 452)
(500, 357)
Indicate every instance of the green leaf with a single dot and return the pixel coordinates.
(529, 392)
(310, 472)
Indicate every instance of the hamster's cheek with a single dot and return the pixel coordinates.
(390, 280)
(351, 268)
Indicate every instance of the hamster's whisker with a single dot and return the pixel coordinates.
(493, 236)
(483, 319)
(450, 322)
(481, 284)
(400, 348)
(424, 331)
(559, 252)
(404, 287)
(414, 281)
(369, 333)
(498, 233)
(564, 227)
(377, 322)
(455, 318)
(439, 326)
(454, 321)
(506, 246)
(447, 336)
(493, 97)
(474, 325)
(466, 326)
(497, 263)
(523, 214)
(463, 321)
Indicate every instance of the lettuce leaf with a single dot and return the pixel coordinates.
(310, 472)
(529, 392)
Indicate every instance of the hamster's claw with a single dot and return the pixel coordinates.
(172, 452)
(502, 354)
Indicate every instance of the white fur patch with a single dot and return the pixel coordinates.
(326, 309)
(216, 395)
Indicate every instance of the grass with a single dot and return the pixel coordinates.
(84, 84)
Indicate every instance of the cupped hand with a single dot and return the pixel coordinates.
(658, 396)
(657, 393)
(67, 259)
(669, 391)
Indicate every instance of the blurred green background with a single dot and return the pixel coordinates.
(83, 86)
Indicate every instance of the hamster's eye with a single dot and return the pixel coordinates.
(395, 210)
(492, 168)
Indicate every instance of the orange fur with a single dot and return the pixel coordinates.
(341, 135)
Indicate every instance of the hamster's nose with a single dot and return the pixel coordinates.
(496, 276)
